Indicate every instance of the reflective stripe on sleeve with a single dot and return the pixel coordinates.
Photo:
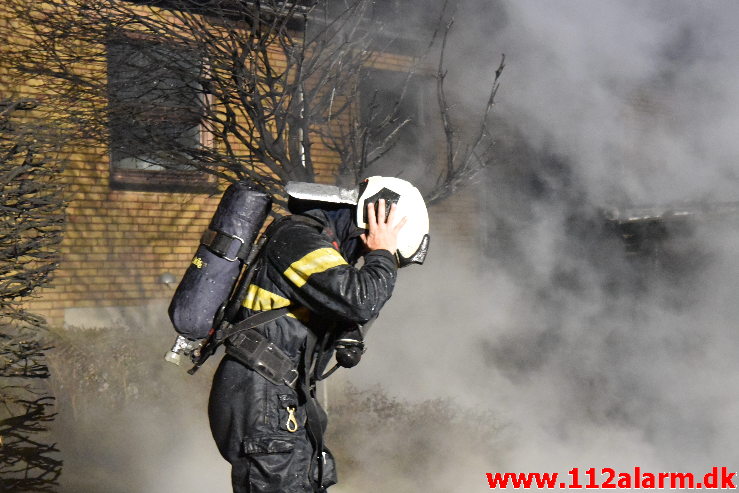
(315, 262)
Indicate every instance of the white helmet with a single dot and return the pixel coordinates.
(413, 238)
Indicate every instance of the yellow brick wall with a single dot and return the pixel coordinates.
(117, 243)
(455, 225)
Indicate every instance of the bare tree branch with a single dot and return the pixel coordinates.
(273, 80)
(463, 159)
(31, 207)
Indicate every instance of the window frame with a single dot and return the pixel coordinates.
(415, 96)
(168, 180)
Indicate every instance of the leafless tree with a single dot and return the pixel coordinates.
(275, 86)
(31, 208)
(463, 158)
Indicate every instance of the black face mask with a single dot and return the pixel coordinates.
(351, 246)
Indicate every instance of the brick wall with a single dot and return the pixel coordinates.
(455, 225)
(118, 243)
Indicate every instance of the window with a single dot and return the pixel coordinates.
(155, 111)
(380, 91)
(406, 27)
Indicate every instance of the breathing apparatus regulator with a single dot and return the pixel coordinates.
(213, 287)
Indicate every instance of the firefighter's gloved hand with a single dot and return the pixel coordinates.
(382, 234)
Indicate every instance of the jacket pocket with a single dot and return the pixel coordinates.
(329, 469)
(271, 463)
(268, 445)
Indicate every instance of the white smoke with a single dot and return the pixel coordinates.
(588, 358)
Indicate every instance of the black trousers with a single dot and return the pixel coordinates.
(260, 430)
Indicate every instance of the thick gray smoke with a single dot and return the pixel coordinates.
(587, 356)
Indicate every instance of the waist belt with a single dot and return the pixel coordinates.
(245, 344)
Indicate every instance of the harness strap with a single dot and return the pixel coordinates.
(314, 422)
(228, 330)
(253, 349)
(313, 425)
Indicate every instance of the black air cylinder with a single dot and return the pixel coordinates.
(215, 268)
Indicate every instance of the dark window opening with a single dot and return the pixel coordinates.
(155, 110)
(380, 92)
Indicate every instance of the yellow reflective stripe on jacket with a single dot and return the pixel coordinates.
(259, 299)
(315, 262)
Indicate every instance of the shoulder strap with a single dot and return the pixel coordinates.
(255, 320)
(226, 330)
(233, 305)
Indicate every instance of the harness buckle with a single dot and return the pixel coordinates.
(222, 244)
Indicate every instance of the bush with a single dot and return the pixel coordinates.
(386, 444)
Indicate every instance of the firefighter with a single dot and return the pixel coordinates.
(271, 428)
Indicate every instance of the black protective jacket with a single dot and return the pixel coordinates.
(301, 267)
